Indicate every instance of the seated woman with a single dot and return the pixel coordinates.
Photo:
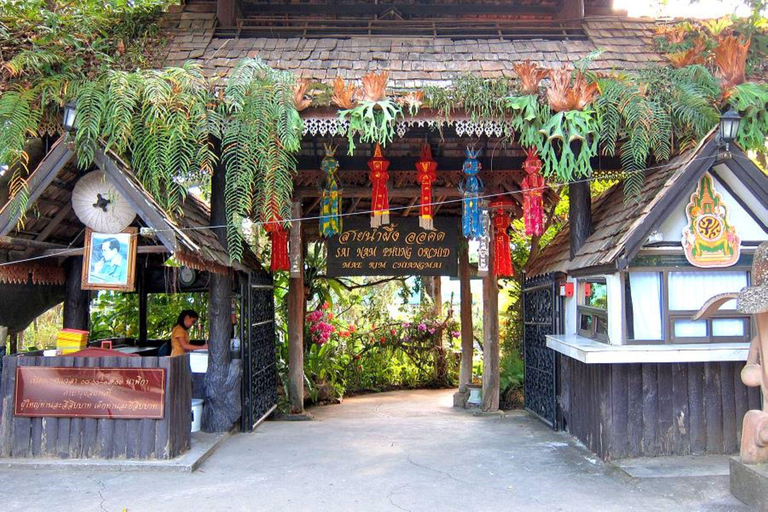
(180, 336)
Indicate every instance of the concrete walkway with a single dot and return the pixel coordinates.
(399, 451)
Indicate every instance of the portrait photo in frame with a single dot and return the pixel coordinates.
(109, 260)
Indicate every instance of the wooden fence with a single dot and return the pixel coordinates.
(99, 438)
(634, 410)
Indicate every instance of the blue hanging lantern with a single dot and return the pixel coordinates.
(471, 219)
(330, 205)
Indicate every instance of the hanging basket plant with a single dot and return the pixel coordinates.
(373, 119)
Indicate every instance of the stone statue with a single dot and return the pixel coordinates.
(752, 300)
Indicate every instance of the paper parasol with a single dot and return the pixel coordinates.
(99, 205)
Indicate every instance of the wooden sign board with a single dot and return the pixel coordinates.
(400, 248)
(90, 392)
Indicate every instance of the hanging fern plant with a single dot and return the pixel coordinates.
(371, 121)
(571, 139)
(158, 121)
(528, 117)
(373, 118)
(751, 101)
(260, 140)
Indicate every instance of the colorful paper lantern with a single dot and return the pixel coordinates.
(483, 249)
(533, 194)
(502, 257)
(471, 221)
(380, 195)
(279, 237)
(330, 205)
(427, 168)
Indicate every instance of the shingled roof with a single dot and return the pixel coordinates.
(413, 62)
(50, 221)
(620, 228)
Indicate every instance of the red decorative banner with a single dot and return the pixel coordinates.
(533, 194)
(279, 236)
(427, 168)
(380, 194)
(90, 392)
(502, 257)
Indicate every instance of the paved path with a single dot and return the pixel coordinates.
(399, 451)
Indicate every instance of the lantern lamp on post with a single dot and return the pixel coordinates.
(729, 127)
(70, 111)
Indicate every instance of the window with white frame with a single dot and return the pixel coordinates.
(659, 306)
(592, 320)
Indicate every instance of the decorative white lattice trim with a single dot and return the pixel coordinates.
(464, 127)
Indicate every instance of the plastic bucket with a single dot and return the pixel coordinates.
(197, 413)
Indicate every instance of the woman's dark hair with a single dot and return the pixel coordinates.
(191, 313)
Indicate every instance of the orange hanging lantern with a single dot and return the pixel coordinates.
(502, 256)
(380, 195)
(427, 168)
(279, 237)
(533, 194)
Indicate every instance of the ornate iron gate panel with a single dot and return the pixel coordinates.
(541, 316)
(258, 350)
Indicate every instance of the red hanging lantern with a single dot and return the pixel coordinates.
(279, 237)
(380, 195)
(533, 194)
(502, 256)
(427, 168)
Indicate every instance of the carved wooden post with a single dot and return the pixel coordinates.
(491, 376)
(226, 12)
(296, 323)
(76, 300)
(222, 380)
(467, 337)
(579, 214)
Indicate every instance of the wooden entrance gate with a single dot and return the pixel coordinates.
(542, 315)
(258, 350)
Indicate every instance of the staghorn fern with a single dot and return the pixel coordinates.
(528, 116)
(372, 121)
(751, 100)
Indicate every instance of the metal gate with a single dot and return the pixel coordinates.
(542, 315)
(258, 350)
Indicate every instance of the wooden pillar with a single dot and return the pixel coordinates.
(579, 214)
(141, 289)
(491, 376)
(76, 300)
(296, 303)
(467, 336)
(226, 12)
(571, 9)
(223, 404)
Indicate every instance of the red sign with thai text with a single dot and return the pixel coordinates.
(90, 392)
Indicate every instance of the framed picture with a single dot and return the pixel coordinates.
(109, 260)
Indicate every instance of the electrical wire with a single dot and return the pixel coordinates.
(556, 186)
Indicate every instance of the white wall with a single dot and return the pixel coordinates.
(746, 227)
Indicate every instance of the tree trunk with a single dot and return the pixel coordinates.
(491, 377)
(441, 368)
(296, 304)
(76, 301)
(467, 336)
(579, 215)
(222, 380)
